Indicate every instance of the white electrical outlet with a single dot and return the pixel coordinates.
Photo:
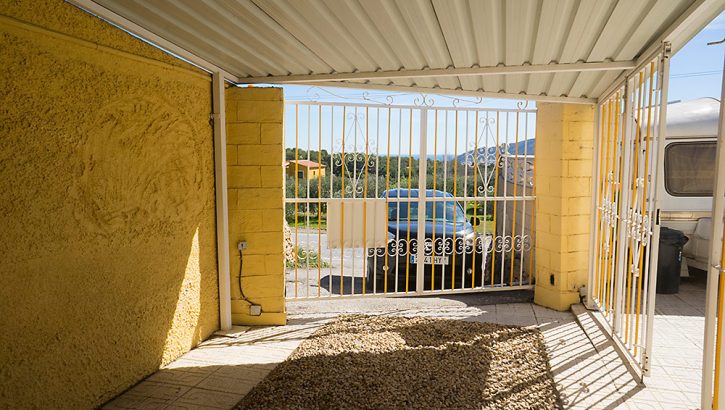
(242, 245)
(255, 310)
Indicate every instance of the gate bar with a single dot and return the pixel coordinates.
(624, 200)
(422, 174)
(663, 79)
(646, 203)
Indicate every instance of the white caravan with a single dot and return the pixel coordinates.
(689, 170)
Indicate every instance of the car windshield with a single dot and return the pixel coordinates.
(444, 211)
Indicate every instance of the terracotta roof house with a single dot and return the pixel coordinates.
(304, 169)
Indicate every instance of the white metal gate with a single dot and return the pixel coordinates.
(625, 233)
(457, 179)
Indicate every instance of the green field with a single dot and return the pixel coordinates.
(484, 227)
(302, 223)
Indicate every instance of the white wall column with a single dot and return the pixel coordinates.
(222, 204)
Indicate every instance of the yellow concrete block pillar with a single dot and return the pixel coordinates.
(255, 156)
(564, 154)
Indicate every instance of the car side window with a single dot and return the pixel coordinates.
(690, 168)
(399, 211)
(392, 211)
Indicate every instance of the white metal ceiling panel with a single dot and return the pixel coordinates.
(254, 39)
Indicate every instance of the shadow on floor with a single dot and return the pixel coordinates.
(689, 301)
(587, 371)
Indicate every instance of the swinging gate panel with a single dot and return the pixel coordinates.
(713, 369)
(625, 234)
(366, 183)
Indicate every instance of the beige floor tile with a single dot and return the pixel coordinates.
(209, 398)
(185, 406)
(178, 376)
(153, 403)
(243, 372)
(193, 366)
(158, 390)
(125, 401)
(228, 385)
(638, 404)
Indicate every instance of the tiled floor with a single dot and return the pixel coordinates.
(674, 380)
(587, 370)
(678, 338)
(218, 373)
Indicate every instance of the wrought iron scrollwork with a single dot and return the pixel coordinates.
(522, 105)
(424, 100)
(316, 94)
(444, 246)
(458, 100)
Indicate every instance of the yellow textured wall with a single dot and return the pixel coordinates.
(107, 208)
(255, 158)
(564, 152)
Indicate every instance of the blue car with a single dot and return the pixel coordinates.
(453, 250)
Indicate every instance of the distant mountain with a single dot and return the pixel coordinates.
(488, 155)
(439, 157)
(524, 147)
(485, 155)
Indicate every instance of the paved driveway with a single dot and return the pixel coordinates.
(345, 268)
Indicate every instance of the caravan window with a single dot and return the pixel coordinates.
(690, 168)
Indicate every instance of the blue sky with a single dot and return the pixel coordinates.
(695, 72)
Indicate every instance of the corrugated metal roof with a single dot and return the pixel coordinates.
(255, 38)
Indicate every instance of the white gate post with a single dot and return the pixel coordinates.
(715, 273)
(663, 78)
(422, 177)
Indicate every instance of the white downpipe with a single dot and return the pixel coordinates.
(714, 272)
(659, 175)
(222, 207)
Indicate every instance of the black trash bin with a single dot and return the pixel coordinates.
(669, 260)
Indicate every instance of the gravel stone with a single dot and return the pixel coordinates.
(376, 362)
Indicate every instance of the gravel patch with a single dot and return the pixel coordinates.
(375, 362)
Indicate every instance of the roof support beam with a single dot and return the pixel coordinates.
(441, 72)
(455, 93)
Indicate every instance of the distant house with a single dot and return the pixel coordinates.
(305, 169)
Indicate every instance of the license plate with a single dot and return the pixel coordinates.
(430, 260)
